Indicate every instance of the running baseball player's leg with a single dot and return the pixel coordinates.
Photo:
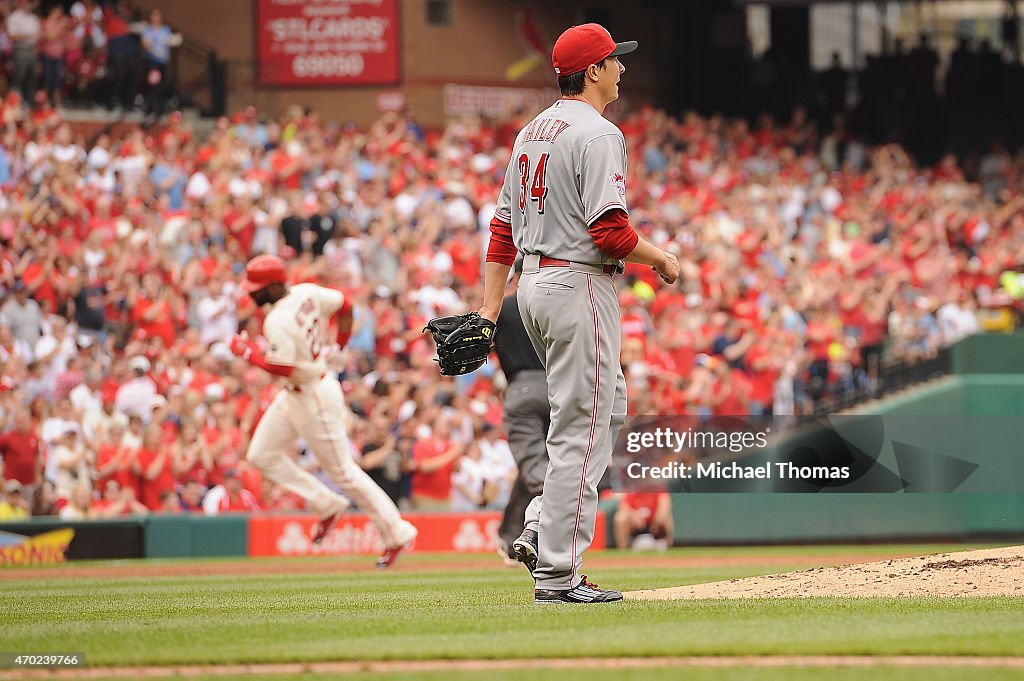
(573, 313)
(527, 415)
(323, 428)
(268, 452)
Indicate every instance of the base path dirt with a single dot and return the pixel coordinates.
(988, 572)
(418, 666)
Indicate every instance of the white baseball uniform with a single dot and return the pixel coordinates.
(312, 406)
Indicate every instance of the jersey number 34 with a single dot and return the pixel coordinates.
(538, 188)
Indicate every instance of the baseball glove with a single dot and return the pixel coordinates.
(463, 342)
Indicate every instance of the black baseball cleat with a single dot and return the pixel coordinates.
(584, 592)
(525, 549)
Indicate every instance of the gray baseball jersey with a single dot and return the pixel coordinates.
(568, 167)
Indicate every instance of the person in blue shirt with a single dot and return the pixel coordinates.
(157, 41)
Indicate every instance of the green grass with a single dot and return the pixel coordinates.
(477, 613)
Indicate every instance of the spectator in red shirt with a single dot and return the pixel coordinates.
(116, 461)
(19, 448)
(117, 501)
(193, 460)
(763, 367)
(154, 310)
(156, 463)
(643, 513)
(433, 459)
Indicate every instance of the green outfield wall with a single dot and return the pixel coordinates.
(184, 536)
(178, 536)
(986, 395)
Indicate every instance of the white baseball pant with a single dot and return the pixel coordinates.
(315, 411)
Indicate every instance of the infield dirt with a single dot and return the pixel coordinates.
(987, 572)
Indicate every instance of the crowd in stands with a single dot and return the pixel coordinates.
(85, 52)
(808, 264)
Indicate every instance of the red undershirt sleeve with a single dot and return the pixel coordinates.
(501, 249)
(613, 234)
(343, 319)
(257, 359)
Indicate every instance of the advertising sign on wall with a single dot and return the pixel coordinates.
(356, 535)
(45, 548)
(327, 42)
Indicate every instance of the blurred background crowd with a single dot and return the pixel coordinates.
(810, 265)
(813, 263)
(86, 53)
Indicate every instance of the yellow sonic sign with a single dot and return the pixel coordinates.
(43, 549)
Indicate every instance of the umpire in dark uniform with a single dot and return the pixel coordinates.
(527, 413)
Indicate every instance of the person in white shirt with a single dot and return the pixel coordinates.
(437, 298)
(137, 396)
(54, 349)
(499, 464)
(957, 320)
(85, 397)
(458, 211)
(198, 187)
(52, 432)
(23, 315)
(469, 481)
(11, 347)
(64, 148)
(97, 424)
(79, 505)
(74, 463)
(217, 318)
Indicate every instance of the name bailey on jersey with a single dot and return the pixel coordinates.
(544, 130)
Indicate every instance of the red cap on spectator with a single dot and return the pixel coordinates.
(204, 156)
(262, 271)
(580, 46)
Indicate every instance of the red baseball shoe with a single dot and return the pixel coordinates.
(391, 553)
(324, 526)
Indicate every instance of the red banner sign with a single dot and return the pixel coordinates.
(355, 534)
(327, 42)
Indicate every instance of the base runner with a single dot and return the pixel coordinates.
(312, 405)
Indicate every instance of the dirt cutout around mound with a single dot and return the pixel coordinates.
(988, 572)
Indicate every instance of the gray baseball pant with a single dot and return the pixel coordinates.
(572, 317)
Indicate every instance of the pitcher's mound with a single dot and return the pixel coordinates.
(990, 572)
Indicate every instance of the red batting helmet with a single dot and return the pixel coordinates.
(262, 271)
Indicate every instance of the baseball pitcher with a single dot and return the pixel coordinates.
(563, 205)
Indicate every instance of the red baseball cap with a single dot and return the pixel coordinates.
(580, 46)
(262, 271)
